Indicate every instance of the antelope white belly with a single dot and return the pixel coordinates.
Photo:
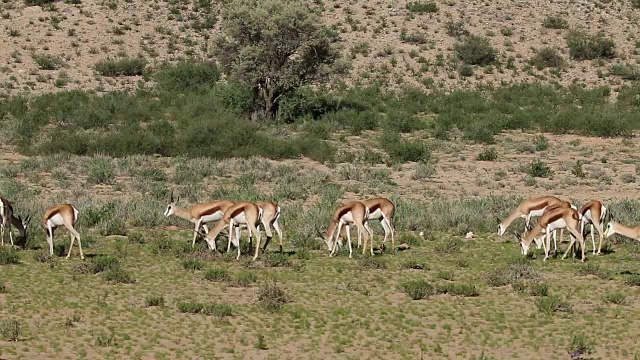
(376, 214)
(537, 213)
(240, 218)
(55, 220)
(348, 218)
(216, 216)
(558, 224)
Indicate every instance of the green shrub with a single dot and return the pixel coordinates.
(119, 276)
(583, 46)
(547, 57)
(47, 62)
(475, 50)
(422, 7)
(552, 304)
(632, 280)
(38, 2)
(192, 264)
(539, 290)
(465, 70)
(154, 300)
(555, 22)
(615, 298)
(579, 346)
(8, 256)
(245, 279)
(11, 329)
(467, 290)
(215, 274)
(402, 151)
(272, 297)
(186, 76)
(488, 154)
(625, 71)
(218, 310)
(417, 289)
(122, 67)
(537, 168)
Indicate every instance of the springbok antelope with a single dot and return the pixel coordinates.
(354, 212)
(242, 213)
(270, 216)
(560, 205)
(381, 209)
(593, 213)
(550, 221)
(61, 215)
(199, 214)
(617, 228)
(527, 209)
(9, 219)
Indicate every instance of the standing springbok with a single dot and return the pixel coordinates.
(61, 215)
(527, 209)
(270, 216)
(242, 213)
(593, 213)
(381, 209)
(550, 221)
(354, 212)
(198, 214)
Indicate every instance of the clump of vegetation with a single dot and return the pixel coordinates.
(488, 154)
(552, 304)
(414, 264)
(475, 50)
(465, 70)
(417, 289)
(467, 290)
(555, 22)
(632, 280)
(215, 274)
(192, 264)
(8, 256)
(512, 274)
(47, 62)
(245, 279)
(119, 276)
(594, 269)
(420, 7)
(187, 76)
(121, 67)
(625, 71)
(373, 263)
(43, 256)
(547, 57)
(617, 298)
(450, 246)
(271, 297)
(218, 310)
(154, 300)
(276, 260)
(584, 46)
(11, 329)
(539, 289)
(580, 346)
(539, 169)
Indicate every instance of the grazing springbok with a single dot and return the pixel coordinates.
(61, 215)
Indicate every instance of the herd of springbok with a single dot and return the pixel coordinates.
(554, 215)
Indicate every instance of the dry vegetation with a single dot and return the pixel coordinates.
(451, 163)
(396, 43)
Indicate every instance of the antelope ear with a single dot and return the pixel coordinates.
(171, 197)
(529, 227)
(611, 218)
(27, 219)
(498, 220)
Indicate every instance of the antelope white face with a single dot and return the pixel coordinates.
(171, 208)
(609, 231)
(501, 229)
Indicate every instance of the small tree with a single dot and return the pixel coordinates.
(274, 46)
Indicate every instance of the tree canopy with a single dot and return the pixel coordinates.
(274, 46)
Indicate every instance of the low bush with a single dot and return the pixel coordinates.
(121, 67)
(417, 289)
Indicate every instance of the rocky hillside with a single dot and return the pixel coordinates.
(445, 44)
